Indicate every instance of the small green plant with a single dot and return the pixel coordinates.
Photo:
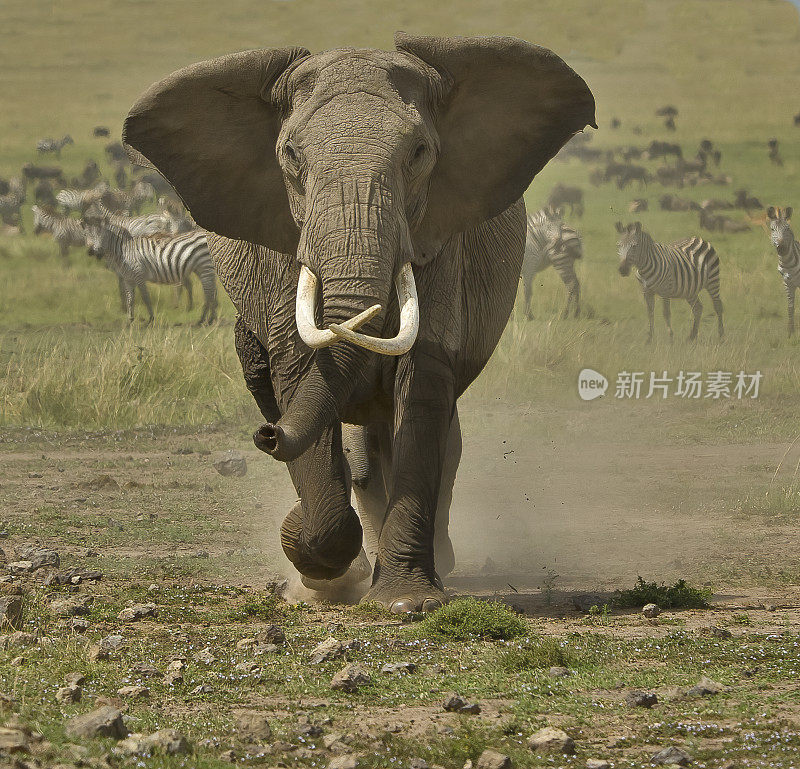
(269, 608)
(678, 596)
(599, 615)
(369, 610)
(537, 654)
(467, 619)
(548, 584)
(741, 619)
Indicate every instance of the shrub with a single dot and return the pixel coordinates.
(538, 654)
(677, 596)
(467, 618)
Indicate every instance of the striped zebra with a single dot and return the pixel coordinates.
(788, 248)
(80, 200)
(11, 203)
(677, 270)
(550, 241)
(130, 201)
(138, 226)
(170, 260)
(53, 145)
(66, 231)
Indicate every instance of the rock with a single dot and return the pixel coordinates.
(246, 643)
(74, 679)
(637, 699)
(350, 678)
(68, 695)
(205, 656)
(21, 638)
(715, 631)
(98, 654)
(454, 703)
(113, 642)
(271, 634)
(253, 726)
(167, 741)
(597, 763)
(77, 625)
(586, 601)
(44, 559)
(491, 759)
(471, 709)
(229, 756)
(11, 612)
(558, 672)
(418, 763)
(145, 670)
(671, 755)
(395, 668)
(106, 721)
(173, 677)
(202, 689)
(348, 761)
(133, 692)
(705, 687)
(651, 610)
(20, 567)
(310, 730)
(329, 649)
(551, 740)
(72, 607)
(231, 463)
(138, 611)
(13, 740)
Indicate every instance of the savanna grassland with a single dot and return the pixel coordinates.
(108, 432)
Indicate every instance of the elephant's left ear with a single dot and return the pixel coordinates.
(510, 107)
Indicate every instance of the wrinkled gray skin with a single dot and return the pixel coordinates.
(353, 162)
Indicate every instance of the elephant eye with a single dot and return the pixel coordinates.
(417, 156)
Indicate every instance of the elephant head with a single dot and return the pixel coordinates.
(362, 162)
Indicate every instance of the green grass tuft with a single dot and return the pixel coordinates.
(467, 618)
(537, 653)
(677, 596)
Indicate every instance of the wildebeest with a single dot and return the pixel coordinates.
(54, 173)
(638, 204)
(563, 195)
(715, 204)
(631, 153)
(671, 202)
(658, 149)
(632, 173)
(116, 152)
(774, 152)
(615, 123)
(88, 177)
(44, 195)
(746, 201)
(100, 131)
(720, 223)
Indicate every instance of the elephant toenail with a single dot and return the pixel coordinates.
(403, 606)
(431, 604)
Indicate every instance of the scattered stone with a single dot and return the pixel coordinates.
(231, 463)
(11, 612)
(69, 695)
(705, 687)
(106, 721)
(205, 656)
(177, 665)
(77, 625)
(558, 671)
(20, 567)
(72, 607)
(74, 679)
(715, 631)
(651, 610)
(418, 763)
(253, 726)
(310, 730)
(637, 699)
(228, 756)
(271, 634)
(246, 643)
(399, 668)
(134, 692)
(113, 642)
(350, 678)
(329, 649)
(671, 755)
(145, 670)
(597, 763)
(98, 654)
(202, 689)
(173, 677)
(551, 740)
(21, 638)
(454, 703)
(38, 557)
(348, 761)
(138, 611)
(248, 667)
(168, 741)
(471, 709)
(491, 759)
(13, 740)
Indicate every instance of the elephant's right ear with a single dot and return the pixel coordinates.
(211, 130)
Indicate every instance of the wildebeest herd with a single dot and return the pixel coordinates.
(160, 247)
(167, 247)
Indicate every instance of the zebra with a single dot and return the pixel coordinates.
(55, 146)
(11, 203)
(80, 200)
(170, 260)
(550, 241)
(65, 230)
(788, 248)
(138, 226)
(130, 201)
(677, 270)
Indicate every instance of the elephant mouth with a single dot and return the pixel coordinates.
(317, 338)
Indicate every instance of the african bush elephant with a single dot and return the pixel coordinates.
(328, 178)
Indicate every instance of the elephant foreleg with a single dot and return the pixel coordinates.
(444, 555)
(405, 578)
(255, 367)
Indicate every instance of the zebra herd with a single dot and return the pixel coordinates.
(679, 270)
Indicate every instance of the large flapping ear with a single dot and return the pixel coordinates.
(510, 107)
(211, 130)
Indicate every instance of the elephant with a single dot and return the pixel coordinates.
(366, 218)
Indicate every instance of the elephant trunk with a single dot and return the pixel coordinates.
(353, 249)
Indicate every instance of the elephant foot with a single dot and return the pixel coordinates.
(323, 553)
(406, 591)
(359, 571)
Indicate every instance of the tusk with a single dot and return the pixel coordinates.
(409, 320)
(305, 311)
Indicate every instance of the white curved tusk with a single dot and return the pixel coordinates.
(409, 320)
(305, 311)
